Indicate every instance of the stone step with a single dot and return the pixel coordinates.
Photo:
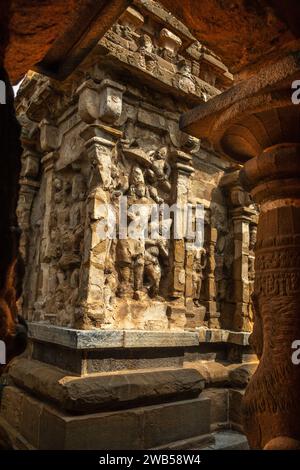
(225, 440)
(45, 427)
(105, 392)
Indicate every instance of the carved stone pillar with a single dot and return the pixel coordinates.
(38, 289)
(212, 315)
(243, 214)
(99, 142)
(28, 189)
(183, 171)
(241, 222)
(182, 259)
(271, 402)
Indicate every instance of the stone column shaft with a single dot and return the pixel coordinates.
(241, 221)
(271, 403)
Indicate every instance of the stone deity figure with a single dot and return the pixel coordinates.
(159, 173)
(156, 252)
(200, 261)
(130, 251)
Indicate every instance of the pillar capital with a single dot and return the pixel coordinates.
(273, 177)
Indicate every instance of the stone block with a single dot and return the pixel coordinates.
(129, 359)
(52, 430)
(106, 391)
(12, 406)
(215, 374)
(111, 94)
(219, 405)
(176, 317)
(169, 41)
(141, 428)
(173, 422)
(241, 375)
(76, 339)
(160, 339)
(235, 406)
(82, 362)
(217, 335)
(30, 422)
(68, 359)
(101, 339)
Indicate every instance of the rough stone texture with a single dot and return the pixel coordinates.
(208, 335)
(139, 428)
(241, 376)
(107, 137)
(99, 339)
(164, 425)
(218, 374)
(227, 440)
(229, 121)
(107, 360)
(235, 408)
(52, 42)
(219, 414)
(106, 391)
(263, 28)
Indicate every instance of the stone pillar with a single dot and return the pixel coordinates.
(99, 142)
(271, 403)
(213, 317)
(28, 189)
(241, 217)
(182, 259)
(37, 288)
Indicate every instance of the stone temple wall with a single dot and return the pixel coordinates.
(112, 130)
(134, 344)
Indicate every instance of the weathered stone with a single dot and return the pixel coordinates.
(104, 392)
(30, 423)
(106, 360)
(86, 280)
(227, 440)
(235, 407)
(215, 374)
(177, 421)
(139, 428)
(210, 335)
(98, 339)
(12, 406)
(240, 376)
(219, 414)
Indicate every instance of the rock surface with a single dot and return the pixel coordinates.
(105, 391)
